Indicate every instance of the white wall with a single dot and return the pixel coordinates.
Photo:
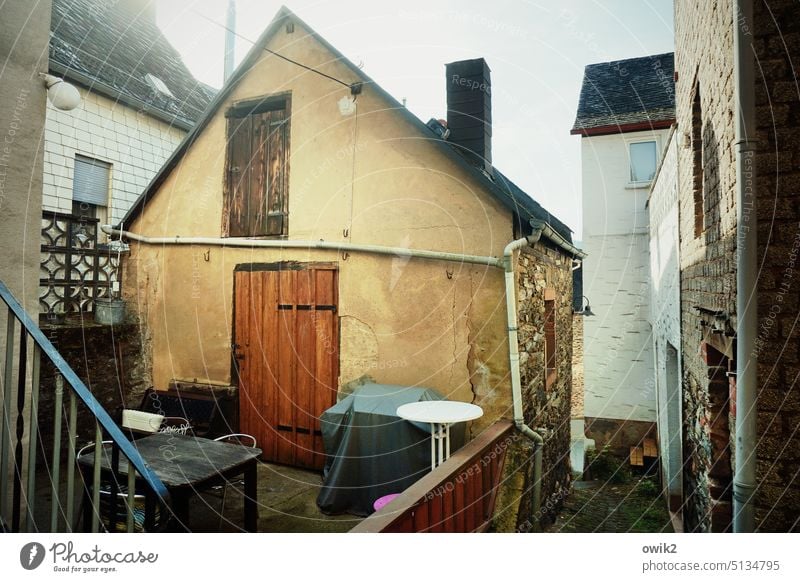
(664, 265)
(666, 315)
(134, 143)
(618, 354)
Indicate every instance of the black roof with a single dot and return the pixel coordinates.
(521, 203)
(110, 49)
(504, 190)
(624, 92)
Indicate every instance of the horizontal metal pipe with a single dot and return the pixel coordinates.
(306, 245)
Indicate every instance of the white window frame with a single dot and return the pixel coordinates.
(628, 144)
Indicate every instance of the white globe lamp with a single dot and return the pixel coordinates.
(61, 94)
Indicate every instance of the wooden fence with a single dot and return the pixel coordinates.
(458, 496)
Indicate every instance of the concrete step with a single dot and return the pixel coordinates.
(579, 445)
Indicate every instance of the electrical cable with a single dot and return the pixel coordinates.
(272, 52)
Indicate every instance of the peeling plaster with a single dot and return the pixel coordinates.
(357, 337)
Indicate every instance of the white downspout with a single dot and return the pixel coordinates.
(744, 480)
(516, 381)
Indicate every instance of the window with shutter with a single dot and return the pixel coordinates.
(550, 342)
(256, 188)
(90, 184)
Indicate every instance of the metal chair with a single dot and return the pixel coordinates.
(122, 500)
(242, 439)
(238, 438)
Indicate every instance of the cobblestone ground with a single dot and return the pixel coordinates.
(598, 506)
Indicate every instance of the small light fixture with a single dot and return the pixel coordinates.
(586, 311)
(62, 95)
(347, 105)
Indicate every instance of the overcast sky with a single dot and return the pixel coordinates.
(536, 50)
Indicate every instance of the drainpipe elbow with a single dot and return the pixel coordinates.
(529, 432)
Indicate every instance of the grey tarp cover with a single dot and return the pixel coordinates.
(371, 451)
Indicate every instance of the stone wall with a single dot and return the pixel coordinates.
(616, 435)
(707, 209)
(576, 406)
(703, 60)
(545, 274)
(778, 168)
(111, 362)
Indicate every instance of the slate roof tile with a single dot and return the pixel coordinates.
(629, 91)
(111, 46)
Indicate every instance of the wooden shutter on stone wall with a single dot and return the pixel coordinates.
(256, 190)
(550, 361)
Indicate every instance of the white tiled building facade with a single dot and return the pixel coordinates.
(618, 355)
(134, 144)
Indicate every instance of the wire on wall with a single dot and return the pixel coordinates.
(352, 86)
(353, 173)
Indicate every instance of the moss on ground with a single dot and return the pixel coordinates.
(635, 506)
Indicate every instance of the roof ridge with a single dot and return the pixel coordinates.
(531, 208)
(631, 59)
(86, 40)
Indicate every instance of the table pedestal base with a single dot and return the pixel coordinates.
(440, 432)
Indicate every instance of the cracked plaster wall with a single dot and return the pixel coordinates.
(403, 321)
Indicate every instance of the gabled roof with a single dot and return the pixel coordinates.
(110, 49)
(627, 95)
(505, 191)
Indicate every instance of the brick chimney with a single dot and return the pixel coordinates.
(469, 110)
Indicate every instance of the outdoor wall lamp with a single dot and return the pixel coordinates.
(61, 94)
(586, 311)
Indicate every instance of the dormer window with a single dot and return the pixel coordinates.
(158, 85)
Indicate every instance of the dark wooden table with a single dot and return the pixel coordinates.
(190, 464)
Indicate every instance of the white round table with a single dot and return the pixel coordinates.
(440, 414)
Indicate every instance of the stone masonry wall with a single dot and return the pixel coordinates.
(544, 273)
(778, 170)
(704, 60)
(111, 362)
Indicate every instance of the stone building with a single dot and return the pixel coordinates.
(326, 197)
(704, 204)
(624, 113)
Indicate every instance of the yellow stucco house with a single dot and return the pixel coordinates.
(311, 231)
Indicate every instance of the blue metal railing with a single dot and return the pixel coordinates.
(18, 489)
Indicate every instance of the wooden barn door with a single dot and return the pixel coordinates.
(286, 354)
